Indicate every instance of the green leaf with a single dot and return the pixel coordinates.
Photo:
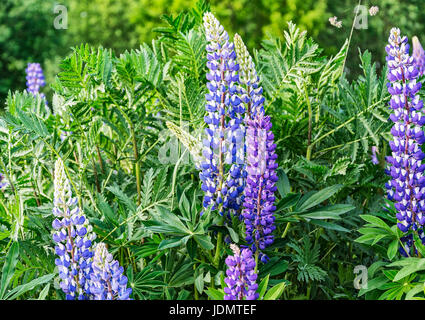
(233, 234)
(204, 241)
(282, 184)
(376, 222)
(275, 292)
(215, 294)
(414, 266)
(43, 294)
(9, 268)
(171, 243)
(19, 290)
(329, 212)
(317, 198)
(199, 283)
(263, 286)
(392, 249)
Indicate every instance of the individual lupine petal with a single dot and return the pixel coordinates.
(107, 281)
(405, 168)
(418, 55)
(241, 277)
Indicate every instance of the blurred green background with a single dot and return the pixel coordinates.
(27, 33)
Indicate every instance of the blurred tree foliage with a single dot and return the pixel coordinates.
(27, 33)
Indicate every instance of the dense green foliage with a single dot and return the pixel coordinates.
(128, 110)
(27, 33)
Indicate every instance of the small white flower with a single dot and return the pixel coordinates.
(334, 21)
(373, 10)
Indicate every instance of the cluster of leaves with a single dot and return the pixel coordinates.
(126, 127)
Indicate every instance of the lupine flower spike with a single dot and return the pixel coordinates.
(223, 146)
(251, 91)
(241, 277)
(261, 158)
(259, 191)
(407, 184)
(35, 79)
(107, 280)
(73, 236)
(418, 55)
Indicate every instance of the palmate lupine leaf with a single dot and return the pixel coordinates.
(331, 71)
(283, 66)
(186, 100)
(189, 53)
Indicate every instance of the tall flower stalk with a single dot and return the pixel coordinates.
(73, 237)
(86, 273)
(260, 160)
(240, 275)
(221, 174)
(407, 184)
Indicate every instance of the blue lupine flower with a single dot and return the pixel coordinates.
(407, 184)
(418, 55)
(241, 277)
(222, 169)
(35, 79)
(3, 182)
(107, 281)
(73, 236)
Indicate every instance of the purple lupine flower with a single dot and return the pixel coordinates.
(73, 237)
(418, 55)
(222, 168)
(3, 182)
(35, 79)
(241, 277)
(407, 184)
(374, 156)
(261, 157)
(259, 191)
(107, 281)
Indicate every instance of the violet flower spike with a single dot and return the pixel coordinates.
(407, 184)
(107, 281)
(241, 277)
(73, 237)
(259, 191)
(222, 168)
